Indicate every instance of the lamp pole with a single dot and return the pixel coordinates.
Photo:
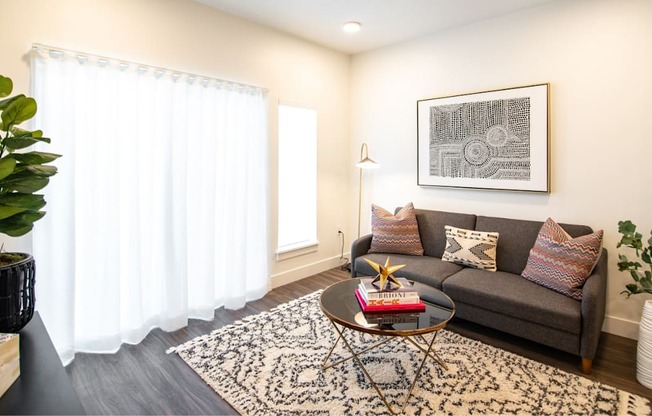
(364, 163)
(360, 199)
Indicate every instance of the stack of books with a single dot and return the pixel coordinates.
(387, 319)
(403, 299)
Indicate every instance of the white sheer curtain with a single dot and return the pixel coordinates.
(159, 212)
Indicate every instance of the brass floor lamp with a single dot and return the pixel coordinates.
(363, 164)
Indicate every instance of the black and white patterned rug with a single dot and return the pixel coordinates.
(270, 364)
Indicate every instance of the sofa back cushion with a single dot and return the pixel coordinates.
(517, 237)
(432, 232)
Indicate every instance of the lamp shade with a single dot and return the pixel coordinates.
(367, 163)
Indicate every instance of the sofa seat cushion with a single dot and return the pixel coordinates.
(510, 294)
(428, 270)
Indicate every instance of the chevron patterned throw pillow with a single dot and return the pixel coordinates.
(397, 234)
(471, 248)
(562, 263)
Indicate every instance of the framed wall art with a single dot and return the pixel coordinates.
(486, 140)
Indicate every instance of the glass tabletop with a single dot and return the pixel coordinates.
(338, 302)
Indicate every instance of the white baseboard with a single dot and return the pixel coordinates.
(299, 273)
(621, 327)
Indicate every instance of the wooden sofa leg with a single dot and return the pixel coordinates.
(586, 365)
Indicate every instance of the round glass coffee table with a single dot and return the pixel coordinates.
(339, 304)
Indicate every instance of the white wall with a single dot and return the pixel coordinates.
(596, 54)
(190, 37)
(597, 57)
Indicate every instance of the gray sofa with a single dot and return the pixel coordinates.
(502, 300)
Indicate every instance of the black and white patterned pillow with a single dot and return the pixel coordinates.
(471, 248)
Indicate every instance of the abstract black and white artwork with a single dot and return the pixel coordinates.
(488, 140)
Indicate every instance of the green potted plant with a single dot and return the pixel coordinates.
(641, 273)
(22, 174)
(634, 240)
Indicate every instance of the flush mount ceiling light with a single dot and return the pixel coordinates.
(351, 27)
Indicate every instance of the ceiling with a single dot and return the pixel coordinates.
(384, 22)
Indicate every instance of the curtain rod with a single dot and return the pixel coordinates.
(39, 46)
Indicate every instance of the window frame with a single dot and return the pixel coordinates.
(311, 243)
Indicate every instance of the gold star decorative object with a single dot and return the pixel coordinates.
(385, 274)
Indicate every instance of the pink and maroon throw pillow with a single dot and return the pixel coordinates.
(397, 234)
(562, 263)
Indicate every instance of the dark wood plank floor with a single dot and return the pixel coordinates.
(142, 379)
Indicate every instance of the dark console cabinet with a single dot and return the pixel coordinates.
(43, 386)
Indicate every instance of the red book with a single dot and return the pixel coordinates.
(389, 307)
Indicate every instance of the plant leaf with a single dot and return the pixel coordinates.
(6, 211)
(646, 283)
(633, 288)
(41, 170)
(21, 142)
(35, 158)
(24, 184)
(15, 230)
(626, 227)
(7, 165)
(17, 131)
(20, 224)
(645, 256)
(18, 111)
(6, 86)
(29, 216)
(5, 103)
(622, 257)
(27, 201)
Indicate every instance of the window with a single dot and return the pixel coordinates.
(297, 180)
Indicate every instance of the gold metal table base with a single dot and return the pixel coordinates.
(429, 352)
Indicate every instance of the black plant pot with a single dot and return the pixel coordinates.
(17, 294)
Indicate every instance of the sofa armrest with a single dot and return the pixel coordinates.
(359, 248)
(594, 299)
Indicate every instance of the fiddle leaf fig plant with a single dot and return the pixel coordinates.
(21, 173)
(641, 273)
